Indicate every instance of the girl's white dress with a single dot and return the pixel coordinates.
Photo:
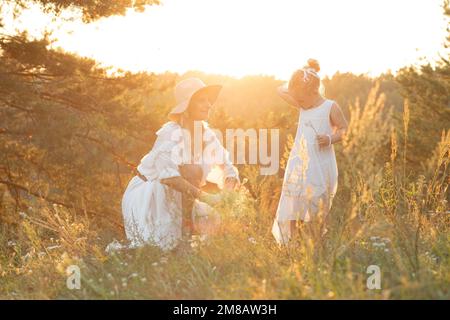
(151, 210)
(311, 174)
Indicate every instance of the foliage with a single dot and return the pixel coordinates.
(70, 136)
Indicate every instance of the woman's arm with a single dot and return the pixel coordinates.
(182, 185)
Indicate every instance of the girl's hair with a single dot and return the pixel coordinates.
(307, 78)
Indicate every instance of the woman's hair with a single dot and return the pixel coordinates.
(306, 78)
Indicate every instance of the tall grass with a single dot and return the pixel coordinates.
(382, 215)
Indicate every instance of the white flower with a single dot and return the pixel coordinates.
(22, 214)
(11, 243)
(114, 246)
(194, 244)
(163, 260)
(252, 240)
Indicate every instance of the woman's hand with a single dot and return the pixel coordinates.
(230, 183)
(324, 140)
(210, 198)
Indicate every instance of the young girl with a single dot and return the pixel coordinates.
(310, 180)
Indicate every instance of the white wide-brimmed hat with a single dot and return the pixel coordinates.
(188, 88)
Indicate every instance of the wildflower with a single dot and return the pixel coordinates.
(252, 240)
(11, 243)
(133, 275)
(163, 260)
(113, 246)
(143, 279)
(387, 240)
(155, 264)
(22, 214)
(378, 244)
(194, 244)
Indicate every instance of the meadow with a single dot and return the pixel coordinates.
(72, 132)
(381, 216)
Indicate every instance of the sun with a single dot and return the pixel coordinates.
(240, 38)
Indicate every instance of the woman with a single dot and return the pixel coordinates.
(162, 200)
(310, 180)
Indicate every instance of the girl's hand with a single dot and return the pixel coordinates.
(324, 140)
(210, 198)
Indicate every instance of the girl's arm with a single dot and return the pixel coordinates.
(339, 121)
(287, 98)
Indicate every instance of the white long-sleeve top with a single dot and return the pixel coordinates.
(152, 211)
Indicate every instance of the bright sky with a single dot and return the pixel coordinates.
(240, 37)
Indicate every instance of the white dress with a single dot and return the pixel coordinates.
(311, 174)
(152, 211)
